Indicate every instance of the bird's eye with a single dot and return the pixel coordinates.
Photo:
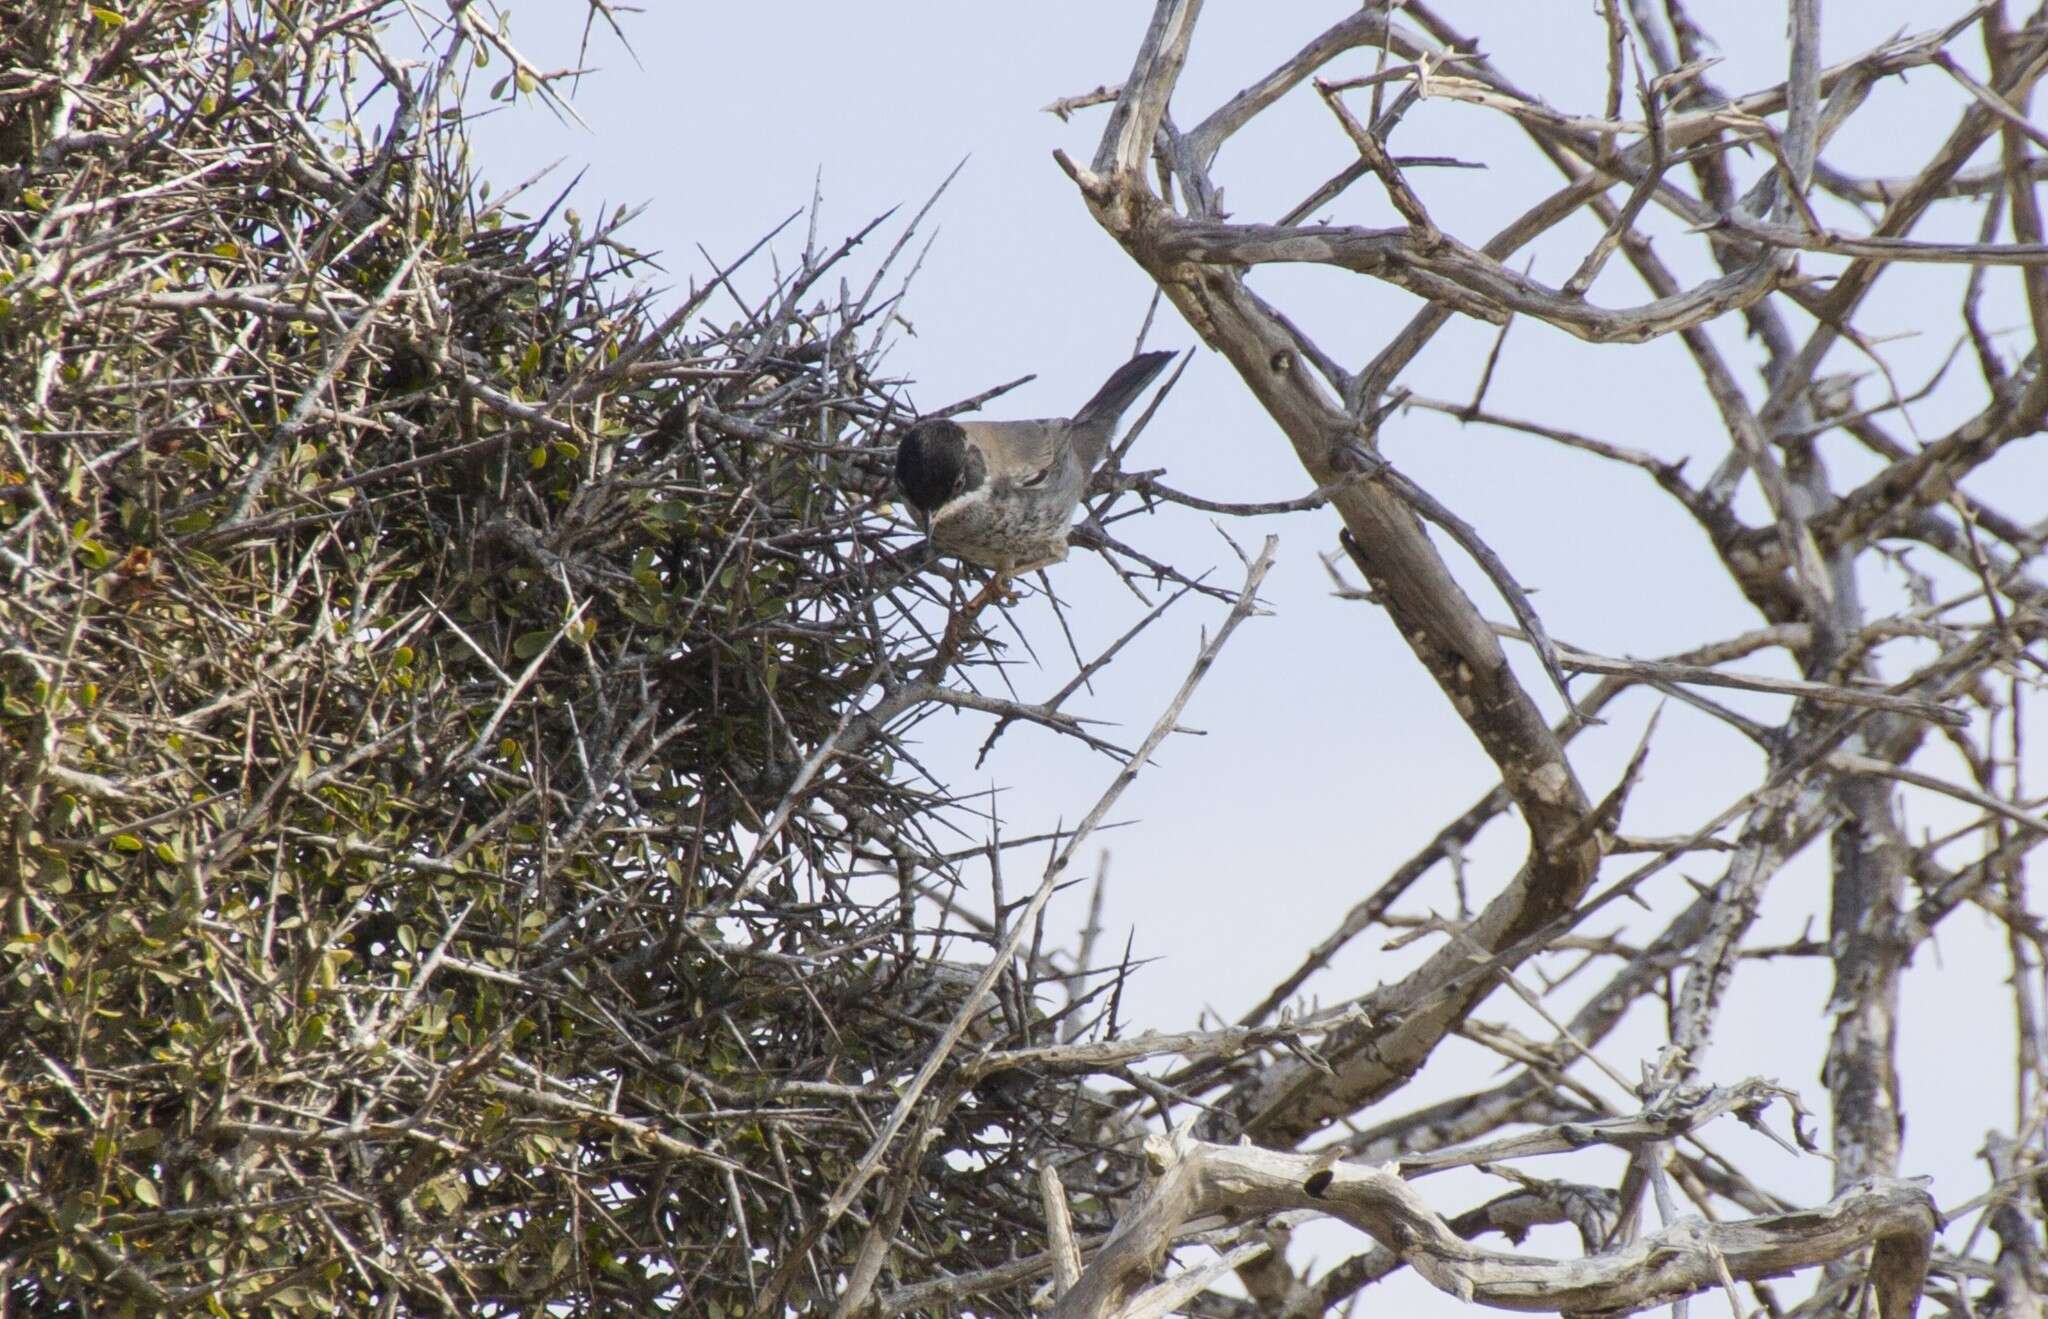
(1036, 480)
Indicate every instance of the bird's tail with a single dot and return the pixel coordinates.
(1123, 385)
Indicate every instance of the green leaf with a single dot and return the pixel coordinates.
(532, 643)
(127, 843)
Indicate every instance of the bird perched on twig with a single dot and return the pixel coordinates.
(1002, 494)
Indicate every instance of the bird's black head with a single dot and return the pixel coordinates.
(934, 463)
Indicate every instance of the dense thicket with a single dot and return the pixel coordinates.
(424, 889)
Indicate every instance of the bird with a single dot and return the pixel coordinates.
(1002, 494)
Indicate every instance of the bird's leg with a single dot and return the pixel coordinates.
(956, 627)
(998, 588)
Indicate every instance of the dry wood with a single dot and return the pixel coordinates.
(1856, 714)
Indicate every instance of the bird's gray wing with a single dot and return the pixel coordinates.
(1018, 453)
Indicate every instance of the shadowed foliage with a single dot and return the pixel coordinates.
(425, 891)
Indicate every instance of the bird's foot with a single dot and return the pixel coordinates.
(957, 626)
(998, 588)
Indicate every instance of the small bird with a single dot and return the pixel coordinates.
(1002, 494)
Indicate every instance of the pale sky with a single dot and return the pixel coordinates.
(1329, 756)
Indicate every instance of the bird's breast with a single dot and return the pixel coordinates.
(1005, 527)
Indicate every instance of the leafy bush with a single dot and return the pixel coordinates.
(427, 893)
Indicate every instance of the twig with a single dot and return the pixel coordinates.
(851, 1186)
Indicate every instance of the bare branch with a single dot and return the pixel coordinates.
(1192, 1178)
